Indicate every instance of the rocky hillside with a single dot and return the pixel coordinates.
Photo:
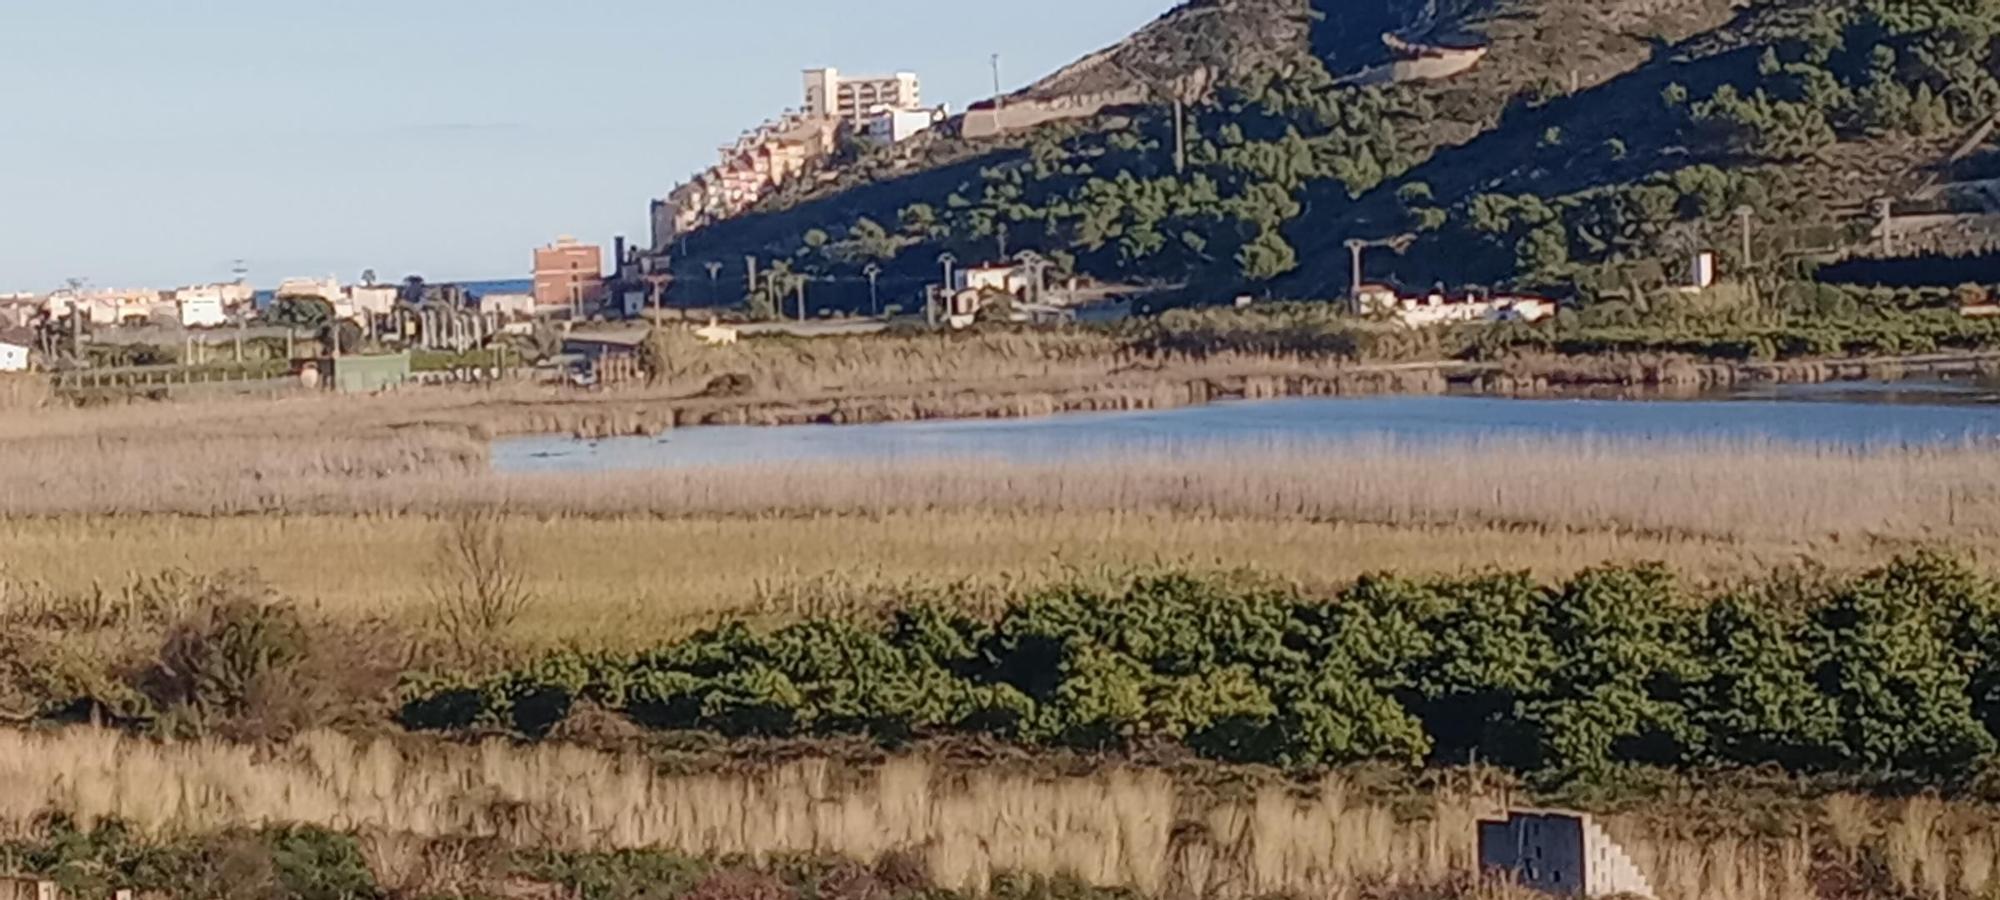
(1592, 148)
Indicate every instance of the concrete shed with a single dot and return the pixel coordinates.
(1559, 852)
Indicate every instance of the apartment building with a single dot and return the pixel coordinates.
(853, 99)
(569, 273)
(759, 162)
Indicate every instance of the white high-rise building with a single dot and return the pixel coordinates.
(854, 99)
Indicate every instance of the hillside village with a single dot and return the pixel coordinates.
(1575, 149)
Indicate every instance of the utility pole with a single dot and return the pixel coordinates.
(1000, 234)
(801, 284)
(874, 272)
(999, 101)
(751, 287)
(1180, 135)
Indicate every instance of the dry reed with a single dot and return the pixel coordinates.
(347, 522)
(1119, 827)
(1115, 827)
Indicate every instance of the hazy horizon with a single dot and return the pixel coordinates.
(150, 145)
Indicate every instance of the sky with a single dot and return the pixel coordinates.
(152, 143)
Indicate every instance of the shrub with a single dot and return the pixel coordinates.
(1893, 676)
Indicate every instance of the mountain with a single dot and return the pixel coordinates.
(1581, 147)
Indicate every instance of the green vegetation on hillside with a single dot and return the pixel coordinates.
(1601, 193)
(1892, 677)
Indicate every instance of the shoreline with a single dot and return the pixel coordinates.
(1604, 377)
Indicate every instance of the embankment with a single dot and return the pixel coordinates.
(1162, 834)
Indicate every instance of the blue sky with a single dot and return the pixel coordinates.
(152, 142)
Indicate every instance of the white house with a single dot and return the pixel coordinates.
(887, 125)
(201, 307)
(990, 277)
(372, 300)
(508, 305)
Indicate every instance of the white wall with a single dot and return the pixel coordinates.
(13, 358)
(202, 311)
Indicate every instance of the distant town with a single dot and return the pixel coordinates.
(581, 312)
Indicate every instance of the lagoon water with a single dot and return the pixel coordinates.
(1847, 415)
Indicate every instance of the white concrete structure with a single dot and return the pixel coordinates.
(991, 277)
(327, 289)
(508, 305)
(887, 125)
(201, 307)
(716, 334)
(13, 356)
(1438, 309)
(372, 300)
(114, 307)
(830, 95)
(1701, 271)
(1558, 852)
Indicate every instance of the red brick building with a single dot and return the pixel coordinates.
(569, 274)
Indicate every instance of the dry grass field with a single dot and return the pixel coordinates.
(351, 525)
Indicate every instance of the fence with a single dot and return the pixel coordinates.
(162, 376)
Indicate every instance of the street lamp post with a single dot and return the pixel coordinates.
(930, 309)
(1744, 214)
(874, 272)
(1035, 264)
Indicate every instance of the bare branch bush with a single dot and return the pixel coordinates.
(479, 587)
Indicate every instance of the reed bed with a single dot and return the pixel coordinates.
(1717, 489)
(351, 523)
(1117, 826)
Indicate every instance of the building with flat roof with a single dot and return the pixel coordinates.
(853, 99)
(894, 126)
(569, 273)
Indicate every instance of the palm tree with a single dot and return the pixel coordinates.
(781, 282)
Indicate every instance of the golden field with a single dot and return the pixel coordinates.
(639, 579)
